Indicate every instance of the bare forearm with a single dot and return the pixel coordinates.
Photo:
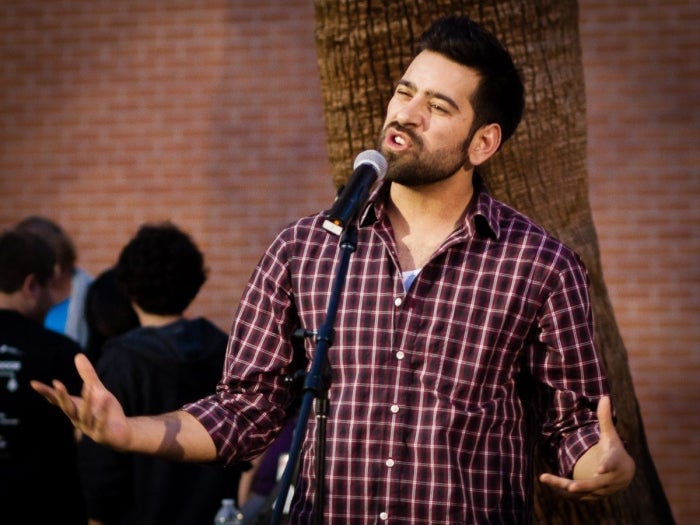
(98, 414)
(176, 435)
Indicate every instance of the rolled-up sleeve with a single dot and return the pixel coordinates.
(250, 404)
(565, 361)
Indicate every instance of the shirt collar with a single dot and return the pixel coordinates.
(480, 217)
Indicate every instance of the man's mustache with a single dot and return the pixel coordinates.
(406, 131)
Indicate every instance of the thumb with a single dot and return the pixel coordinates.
(605, 419)
(608, 433)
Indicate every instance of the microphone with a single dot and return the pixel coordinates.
(369, 165)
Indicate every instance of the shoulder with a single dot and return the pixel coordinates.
(81, 278)
(522, 233)
(127, 346)
(43, 354)
(523, 247)
(303, 229)
(302, 238)
(208, 327)
(37, 338)
(201, 328)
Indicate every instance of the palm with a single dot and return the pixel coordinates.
(96, 412)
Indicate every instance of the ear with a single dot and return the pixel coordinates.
(33, 292)
(28, 298)
(485, 143)
(30, 286)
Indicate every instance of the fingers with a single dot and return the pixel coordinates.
(86, 370)
(57, 394)
(65, 401)
(554, 482)
(95, 406)
(49, 392)
(593, 488)
(560, 485)
(44, 390)
(87, 411)
(580, 489)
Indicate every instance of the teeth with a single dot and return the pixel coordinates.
(399, 140)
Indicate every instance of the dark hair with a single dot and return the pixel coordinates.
(499, 98)
(23, 254)
(55, 236)
(162, 269)
(108, 311)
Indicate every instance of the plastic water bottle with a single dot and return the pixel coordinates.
(228, 513)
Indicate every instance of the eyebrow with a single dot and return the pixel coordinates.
(431, 94)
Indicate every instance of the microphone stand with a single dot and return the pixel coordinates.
(316, 385)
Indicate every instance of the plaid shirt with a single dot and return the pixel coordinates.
(439, 393)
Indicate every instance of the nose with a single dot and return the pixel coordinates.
(411, 113)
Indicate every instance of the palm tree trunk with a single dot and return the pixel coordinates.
(363, 48)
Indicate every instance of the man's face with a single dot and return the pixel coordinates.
(426, 133)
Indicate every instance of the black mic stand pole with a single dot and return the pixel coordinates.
(316, 385)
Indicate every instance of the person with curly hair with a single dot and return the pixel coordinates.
(167, 361)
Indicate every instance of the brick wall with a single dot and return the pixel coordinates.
(116, 113)
(642, 68)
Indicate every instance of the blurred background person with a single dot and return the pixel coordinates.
(39, 481)
(108, 312)
(166, 362)
(258, 489)
(67, 314)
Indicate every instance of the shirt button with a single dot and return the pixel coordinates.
(394, 409)
(400, 355)
(389, 462)
(398, 301)
(383, 516)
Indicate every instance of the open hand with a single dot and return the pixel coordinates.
(604, 469)
(96, 412)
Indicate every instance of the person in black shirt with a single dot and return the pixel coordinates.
(39, 481)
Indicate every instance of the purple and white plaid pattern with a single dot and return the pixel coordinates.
(431, 387)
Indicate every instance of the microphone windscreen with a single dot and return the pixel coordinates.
(374, 158)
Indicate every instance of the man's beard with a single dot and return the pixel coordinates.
(417, 167)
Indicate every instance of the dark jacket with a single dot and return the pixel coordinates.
(151, 371)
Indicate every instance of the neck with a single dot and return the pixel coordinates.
(422, 218)
(155, 320)
(22, 304)
(440, 203)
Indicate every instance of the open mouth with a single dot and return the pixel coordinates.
(398, 140)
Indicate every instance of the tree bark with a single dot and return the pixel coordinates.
(363, 48)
